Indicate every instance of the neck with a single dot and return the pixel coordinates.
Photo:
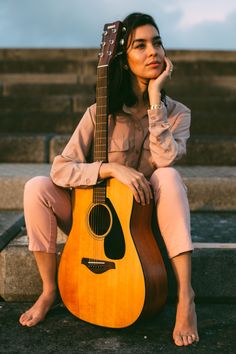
(140, 88)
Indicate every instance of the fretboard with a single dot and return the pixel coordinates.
(100, 151)
(100, 140)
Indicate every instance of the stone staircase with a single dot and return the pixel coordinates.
(43, 94)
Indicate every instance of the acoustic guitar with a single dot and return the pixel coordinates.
(111, 271)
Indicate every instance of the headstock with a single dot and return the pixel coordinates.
(111, 42)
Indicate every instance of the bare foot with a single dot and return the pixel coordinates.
(185, 331)
(39, 310)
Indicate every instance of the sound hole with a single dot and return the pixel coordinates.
(100, 220)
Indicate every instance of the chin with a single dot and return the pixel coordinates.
(154, 76)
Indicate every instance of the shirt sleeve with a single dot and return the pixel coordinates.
(168, 133)
(71, 168)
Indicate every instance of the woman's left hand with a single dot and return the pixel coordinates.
(156, 85)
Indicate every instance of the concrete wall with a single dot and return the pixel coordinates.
(44, 92)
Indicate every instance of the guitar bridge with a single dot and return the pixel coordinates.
(97, 266)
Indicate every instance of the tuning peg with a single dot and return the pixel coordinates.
(105, 33)
(123, 29)
(122, 41)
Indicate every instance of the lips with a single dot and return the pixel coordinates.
(153, 63)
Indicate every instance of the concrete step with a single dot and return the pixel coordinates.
(64, 117)
(214, 237)
(52, 88)
(12, 223)
(213, 86)
(204, 150)
(219, 87)
(209, 187)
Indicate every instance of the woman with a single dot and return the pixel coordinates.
(147, 134)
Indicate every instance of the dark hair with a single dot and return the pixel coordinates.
(120, 86)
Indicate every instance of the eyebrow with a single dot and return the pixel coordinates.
(144, 40)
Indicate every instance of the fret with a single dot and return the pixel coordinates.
(99, 194)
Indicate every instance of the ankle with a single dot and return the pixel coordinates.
(48, 291)
(186, 295)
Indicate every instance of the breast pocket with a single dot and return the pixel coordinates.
(118, 150)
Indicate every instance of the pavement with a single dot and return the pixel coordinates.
(61, 332)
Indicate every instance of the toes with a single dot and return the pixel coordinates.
(190, 339)
(178, 340)
(33, 321)
(185, 340)
(24, 318)
(195, 338)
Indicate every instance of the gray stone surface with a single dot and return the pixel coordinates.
(19, 277)
(57, 145)
(12, 181)
(210, 151)
(11, 224)
(213, 227)
(61, 332)
(7, 218)
(24, 148)
(210, 187)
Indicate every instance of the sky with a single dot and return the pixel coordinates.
(184, 24)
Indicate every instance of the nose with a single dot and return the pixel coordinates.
(152, 51)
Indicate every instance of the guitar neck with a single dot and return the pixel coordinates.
(109, 48)
(100, 152)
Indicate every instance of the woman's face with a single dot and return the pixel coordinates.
(145, 54)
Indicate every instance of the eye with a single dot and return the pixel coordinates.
(157, 43)
(140, 46)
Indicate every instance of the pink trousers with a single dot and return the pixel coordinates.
(47, 206)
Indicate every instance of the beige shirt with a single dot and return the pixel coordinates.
(156, 139)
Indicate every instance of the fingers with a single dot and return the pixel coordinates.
(135, 180)
(169, 67)
(142, 190)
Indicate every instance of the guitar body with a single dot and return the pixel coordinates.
(111, 275)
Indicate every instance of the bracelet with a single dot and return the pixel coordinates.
(157, 106)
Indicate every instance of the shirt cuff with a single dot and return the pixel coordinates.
(157, 114)
(90, 173)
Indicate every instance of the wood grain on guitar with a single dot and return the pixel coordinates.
(111, 271)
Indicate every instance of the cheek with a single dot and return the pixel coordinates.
(134, 62)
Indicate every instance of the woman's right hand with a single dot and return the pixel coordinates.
(135, 180)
